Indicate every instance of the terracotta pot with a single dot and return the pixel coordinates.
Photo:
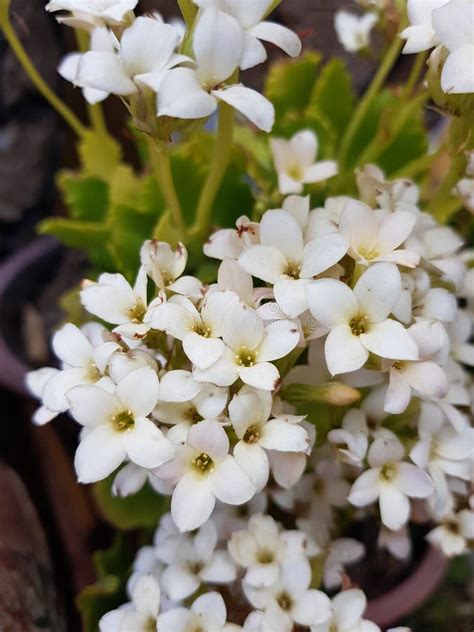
(390, 608)
(18, 277)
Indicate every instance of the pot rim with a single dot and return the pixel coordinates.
(407, 596)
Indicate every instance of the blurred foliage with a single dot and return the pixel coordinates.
(142, 509)
(109, 591)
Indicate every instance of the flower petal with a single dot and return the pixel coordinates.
(378, 290)
(322, 253)
(146, 445)
(139, 391)
(263, 262)
(250, 103)
(99, 453)
(217, 45)
(192, 502)
(231, 484)
(344, 352)
(390, 339)
(182, 96)
(394, 507)
(279, 339)
(278, 35)
(331, 302)
(254, 462)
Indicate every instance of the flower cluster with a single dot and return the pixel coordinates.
(172, 77)
(448, 27)
(195, 389)
(265, 568)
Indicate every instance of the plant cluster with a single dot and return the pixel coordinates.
(303, 367)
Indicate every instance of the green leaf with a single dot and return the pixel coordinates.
(142, 509)
(116, 560)
(85, 197)
(95, 600)
(100, 154)
(165, 230)
(128, 230)
(290, 84)
(113, 566)
(90, 237)
(333, 97)
(410, 143)
(368, 127)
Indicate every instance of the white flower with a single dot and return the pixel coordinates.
(354, 434)
(453, 24)
(250, 348)
(425, 376)
(397, 543)
(35, 382)
(79, 351)
(127, 67)
(207, 404)
(195, 93)
(115, 301)
(131, 478)
(460, 333)
(141, 614)
(249, 413)
(420, 35)
(204, 470)
(262, 548)
(101, 40)
(353, 31)
(290, 598)
(199, 331)
(118, 426)
(228, 243)
(442, 453)
(342, 552)
(89, 13)
(196, 560)
(283, 259)
(347, 610)
(207, 614)
(165, 265)
(391, 481)
(295, 162)
(376, 236)
(454, 533)
(250, 16)
(358, 319)
(465, 188)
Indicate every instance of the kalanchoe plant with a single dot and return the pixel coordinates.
(299, 370)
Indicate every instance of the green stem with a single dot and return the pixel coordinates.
(162, 167)
(414, 75)
(414, 168)
(361, 112)
(219, 164)
(461, 142)
(395, 125)
(40, 84)
(94, 110)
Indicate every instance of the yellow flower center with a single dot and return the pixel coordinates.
(359, 325)
(203, 464)
(123, 421)
(246, 357)
(252, 434)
